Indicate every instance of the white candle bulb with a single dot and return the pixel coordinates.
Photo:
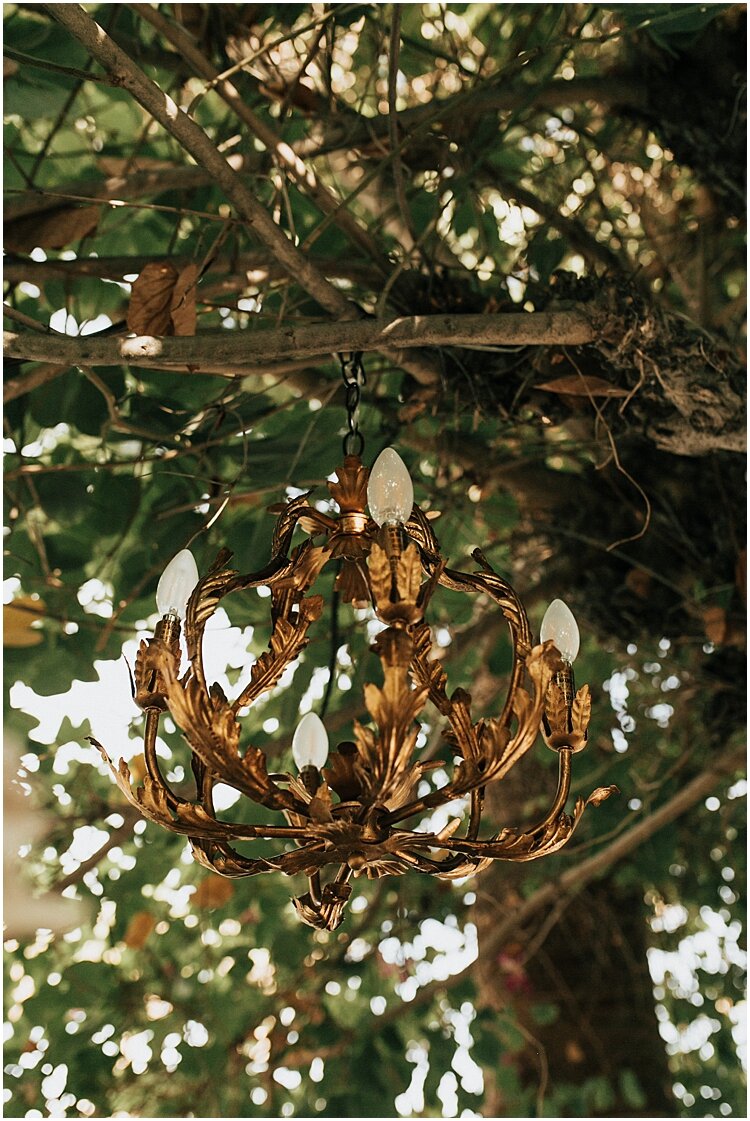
(560, 625)
(390, 492)
(176, 585)
(310, 742)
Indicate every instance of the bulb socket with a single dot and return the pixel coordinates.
(167, 630)
(311, 779)
(392, 539)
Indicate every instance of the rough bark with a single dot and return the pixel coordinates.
(592, 966)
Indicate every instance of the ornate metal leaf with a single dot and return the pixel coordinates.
(381, 579)
(556, 710)
(286, 522)
(287, 640)
(351, 583)
(308, 913)
(206, 597)
(462, 732)
(321, 804)
(601, 794)
(429, 671)
(409, 574)
(581, 713)
(350, 489)
(341, 772)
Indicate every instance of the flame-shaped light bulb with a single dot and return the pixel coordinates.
(560, 625)
(310, 742)
(390, 492)
(176, 584)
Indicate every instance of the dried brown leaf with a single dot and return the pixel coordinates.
(582, 385)
(139, 929)
(213, 891)
(53, 229)
(715, 623)
(150, 310)
(183, 311)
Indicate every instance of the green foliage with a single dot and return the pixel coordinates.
(152, 1002)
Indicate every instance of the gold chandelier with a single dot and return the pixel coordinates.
(356, 809)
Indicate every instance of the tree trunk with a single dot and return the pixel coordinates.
(592, 967)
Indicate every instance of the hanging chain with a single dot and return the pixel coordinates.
(353, 373)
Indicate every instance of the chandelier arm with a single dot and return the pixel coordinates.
(561, 796)
(475, 813)
(220, 857)
(212, 732)
(201, 605)
(478, 772)
(548, 821)
(315, 889)
(158, 803)
(501, 593)
(150, 733)
(287, 641)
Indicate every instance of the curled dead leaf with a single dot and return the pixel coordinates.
(162, 300)
(183, 311)
(715, 623)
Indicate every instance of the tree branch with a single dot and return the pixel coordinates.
(195, 141)
(576, 878)
(304, 177)
(232, 267)
(353, 131)
(134, 185)
(239, 348)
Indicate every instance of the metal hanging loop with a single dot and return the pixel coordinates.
(353, 373)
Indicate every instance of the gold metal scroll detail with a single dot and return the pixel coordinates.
(367, 816)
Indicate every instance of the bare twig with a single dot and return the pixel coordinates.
(195, 141)
(396, 164)
(302, 175)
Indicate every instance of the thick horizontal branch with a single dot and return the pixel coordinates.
(242, 348)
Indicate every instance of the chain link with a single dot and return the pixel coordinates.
(353, 373)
